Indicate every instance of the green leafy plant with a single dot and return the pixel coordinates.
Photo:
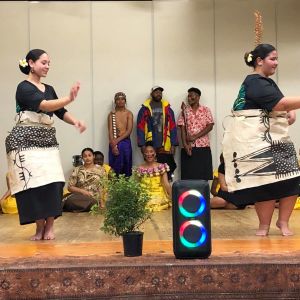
(126, 208)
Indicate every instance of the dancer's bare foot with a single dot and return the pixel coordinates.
(263, 230)
(284, 228)
(49, 234)
(37, 237)
(39, 232)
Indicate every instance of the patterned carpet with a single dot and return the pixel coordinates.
(151, 277)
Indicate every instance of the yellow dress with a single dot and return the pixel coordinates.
(107, 168)
(9, 205)
(151, 178)
(216, 175)
(297, 204)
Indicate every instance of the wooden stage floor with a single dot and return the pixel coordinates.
(84, 263)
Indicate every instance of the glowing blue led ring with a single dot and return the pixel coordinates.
(202, 238)
(186, 213)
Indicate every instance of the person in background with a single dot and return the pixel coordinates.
(195, 122)
(99, 160)
(153, 175)
(85, 185)
(8, 202)
(120, 122)
(222, 198)
(36, 176)
(156, 124)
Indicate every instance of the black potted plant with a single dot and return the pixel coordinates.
(125, 210)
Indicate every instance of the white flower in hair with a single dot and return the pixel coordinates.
(249, 58)
(23, 63)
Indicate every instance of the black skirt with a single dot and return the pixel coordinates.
(230, 197)
(272, 191)
(198, 165)
(40, 203)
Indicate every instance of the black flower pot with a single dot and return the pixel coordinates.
(133, 243)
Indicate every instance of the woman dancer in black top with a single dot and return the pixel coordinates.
(260, 159)
(35, 173)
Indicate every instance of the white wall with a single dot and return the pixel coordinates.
(112, 46)
(122, 61)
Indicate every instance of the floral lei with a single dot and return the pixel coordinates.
(155, 171)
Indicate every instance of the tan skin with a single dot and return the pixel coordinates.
(193, 100)
(39, 69)
(124, 123)
(88, 158)
(267, 67)
(150, 162)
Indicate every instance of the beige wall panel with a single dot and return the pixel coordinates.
(14, 45)
(184, 53)
(234, 34)
(288, 25)
(122, 61)
(63, 30)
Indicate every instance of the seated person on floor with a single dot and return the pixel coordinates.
(85, 185)
(99, 160)
(221, 197)
(8, 201)
(154, 176)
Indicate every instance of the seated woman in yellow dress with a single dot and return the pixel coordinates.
(85, 185)
(154, 176)
(8, 201)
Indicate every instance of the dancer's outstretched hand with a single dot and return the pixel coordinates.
(80, 125)
(74, 91)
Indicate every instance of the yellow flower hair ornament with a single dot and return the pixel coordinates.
(249, 57)
(23, 63)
